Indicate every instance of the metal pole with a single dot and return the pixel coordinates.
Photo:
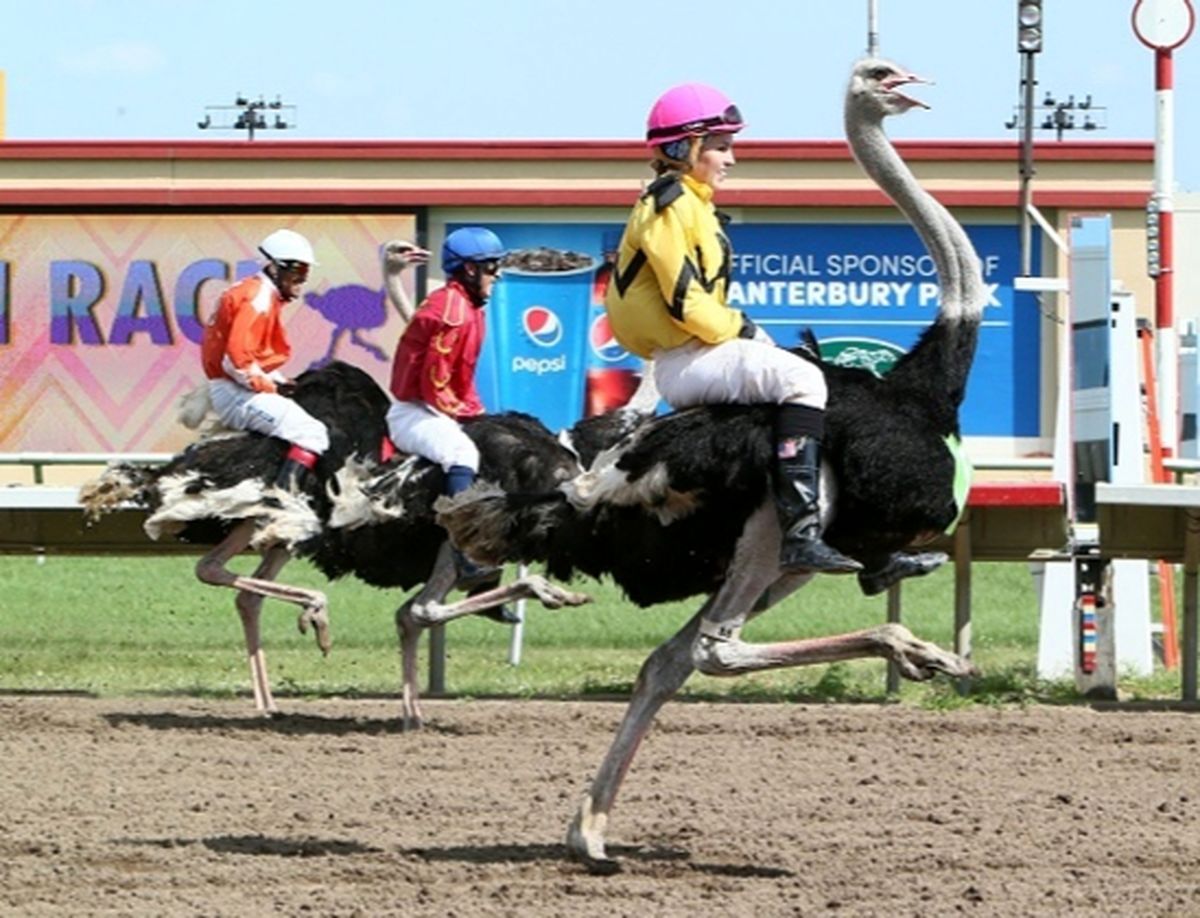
(872, 28)
(1164, 287)
(1027, 170)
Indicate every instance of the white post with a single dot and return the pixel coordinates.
(518, 631)
(1167, 356)
(1162, 26)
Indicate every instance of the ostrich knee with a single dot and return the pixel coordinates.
(212, 571)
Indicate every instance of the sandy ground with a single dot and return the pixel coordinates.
(173, 806)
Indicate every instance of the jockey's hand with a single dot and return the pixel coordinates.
(753, 332)
(262, 384)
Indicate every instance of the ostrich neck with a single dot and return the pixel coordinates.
(957, 265)
(393, 283)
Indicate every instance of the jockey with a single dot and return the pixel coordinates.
(667, 303)
(433, 375)
(245, 345)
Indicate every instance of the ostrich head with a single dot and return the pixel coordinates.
(874, 90)
(398, 254)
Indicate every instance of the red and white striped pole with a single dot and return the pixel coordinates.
(1164, 25)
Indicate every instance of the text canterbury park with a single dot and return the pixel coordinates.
(840, 280)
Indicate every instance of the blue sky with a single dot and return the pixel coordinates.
(146, 69)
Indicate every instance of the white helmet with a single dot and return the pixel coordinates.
(286, 245)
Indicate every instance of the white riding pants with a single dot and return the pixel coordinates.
(740, 371)
(416, 428)
(267, 413)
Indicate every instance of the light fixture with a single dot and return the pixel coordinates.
(1029, 26)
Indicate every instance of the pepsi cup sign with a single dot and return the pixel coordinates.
(537, 343)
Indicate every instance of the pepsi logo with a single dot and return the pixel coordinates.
(543, 326)
(604, 344)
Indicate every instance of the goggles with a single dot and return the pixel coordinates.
(490, 267)
(729, 120)
(296, 269)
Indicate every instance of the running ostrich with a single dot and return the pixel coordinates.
(366, 512)
(684, 506)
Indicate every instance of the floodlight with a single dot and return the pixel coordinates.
(1029, 26)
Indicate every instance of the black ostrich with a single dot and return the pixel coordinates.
(684, 507)
(365, 513)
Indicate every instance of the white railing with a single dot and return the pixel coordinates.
(39, 461)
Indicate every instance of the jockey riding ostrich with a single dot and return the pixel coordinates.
(366, 513)
(684, 507)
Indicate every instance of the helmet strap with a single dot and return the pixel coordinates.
(471, 277)
(272, 269)
(677, 155)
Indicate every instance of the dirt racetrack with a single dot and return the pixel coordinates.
(177, 806)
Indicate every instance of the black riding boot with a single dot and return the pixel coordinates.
(296, 469)
(798, 494)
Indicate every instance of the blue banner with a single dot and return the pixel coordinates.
(867, 290)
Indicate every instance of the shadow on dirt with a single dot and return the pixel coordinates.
(262, 845)
(652, 856)
(283, 724)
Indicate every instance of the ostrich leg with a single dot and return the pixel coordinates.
(752, 586)
(249, 606)
(426, 608)
(721, 653)
(409, 627)
(212, 569)
(661, 676)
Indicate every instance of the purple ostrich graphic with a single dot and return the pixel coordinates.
(351, 308)
(354, 308)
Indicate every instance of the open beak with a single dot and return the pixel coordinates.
(892, 84)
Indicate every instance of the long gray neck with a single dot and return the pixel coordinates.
(958, 267)
(393, 283)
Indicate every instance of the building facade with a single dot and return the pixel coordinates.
(112, 254)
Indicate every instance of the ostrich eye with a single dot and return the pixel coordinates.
(880, 73)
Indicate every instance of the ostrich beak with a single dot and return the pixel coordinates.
(892, 84)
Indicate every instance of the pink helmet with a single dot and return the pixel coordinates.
(691, 109)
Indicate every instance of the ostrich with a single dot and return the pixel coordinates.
(355, 308)
(367, 513)
(397, 255)
(683, 507)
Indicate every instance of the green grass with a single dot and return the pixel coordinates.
(117, 626)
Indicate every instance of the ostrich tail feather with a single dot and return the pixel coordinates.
(116, 485)
(492, 527)
(478, 522)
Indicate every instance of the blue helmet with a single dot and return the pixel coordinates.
(471, 243)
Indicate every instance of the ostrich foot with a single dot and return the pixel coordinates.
(551, 595)
(920, 660)
(318, 618)
(585, 840)
(411, 721)
(533, 586)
